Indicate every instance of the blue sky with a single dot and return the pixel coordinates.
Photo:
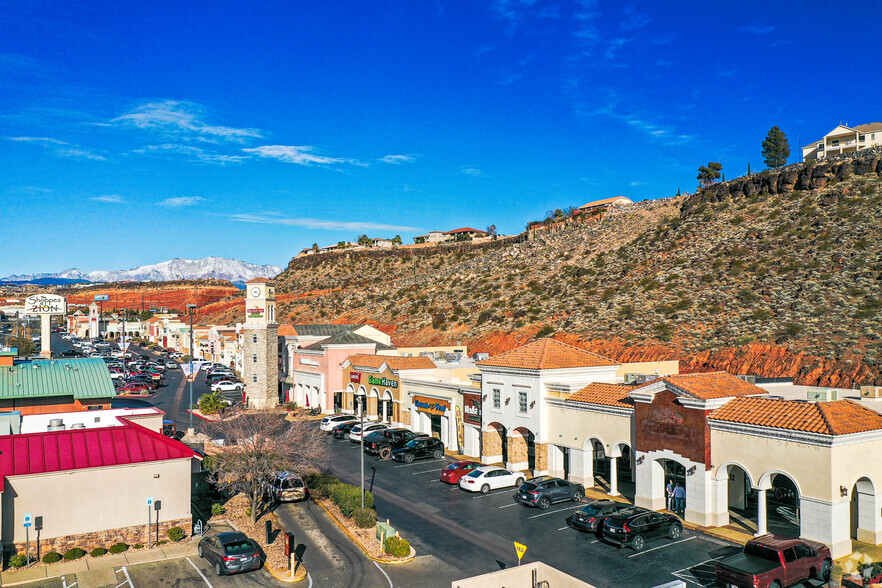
(134, 133)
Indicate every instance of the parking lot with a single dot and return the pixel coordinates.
(474, 533)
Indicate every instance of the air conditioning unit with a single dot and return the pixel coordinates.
(748, 379)
(822, 394)
(871, 391)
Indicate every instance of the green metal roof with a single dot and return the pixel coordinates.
(322, 330)
(80, 378)
(347, 338)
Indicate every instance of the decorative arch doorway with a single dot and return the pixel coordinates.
(864, 519)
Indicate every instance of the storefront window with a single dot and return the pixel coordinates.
(522, 401)
(496, 398)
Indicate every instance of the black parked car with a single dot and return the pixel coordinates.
(635, 526)
(590, 518)
(420, 448)
(384, 442)
(542, 491)
(342, 431)
(230, 553)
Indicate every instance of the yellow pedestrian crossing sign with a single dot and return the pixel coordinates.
(520, 549)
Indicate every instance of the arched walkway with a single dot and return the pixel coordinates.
(494, 444)
(521, 450)
(741, 496)
(778, 504)
(387, 406)
(864, 511)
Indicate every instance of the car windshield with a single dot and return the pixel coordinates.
(240, 546)
(453, 466)
(527, 486)
(591, 509)
(412, 443)
(761, 551)
(475, 473)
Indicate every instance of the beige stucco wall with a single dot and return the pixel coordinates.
(81, 501)
(810, 466)
(664, 368)
(578, 426)
(852, 462)
(521, 576)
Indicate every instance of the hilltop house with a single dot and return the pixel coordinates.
(844, 139)
(603, 204)
(463, 234)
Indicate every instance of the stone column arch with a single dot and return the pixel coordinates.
(494, 443)
(865, 520)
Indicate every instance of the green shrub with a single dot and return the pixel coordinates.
(138, 546)
(176, 534)
(51, 557)
(248, 511)
(319, 483)
(397, 546)
(18, 560)
(74, 553)
(545, 331)
(118, 547)
(365, 518)
(98, 552)
(218, 509)
(348, 497)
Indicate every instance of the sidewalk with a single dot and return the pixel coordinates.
(102, 567)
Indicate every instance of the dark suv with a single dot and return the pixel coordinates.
(541, 492)
(383, 442)
(635, 526)
(420, 448)
(590, 518)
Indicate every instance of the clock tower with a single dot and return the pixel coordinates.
(260, 351)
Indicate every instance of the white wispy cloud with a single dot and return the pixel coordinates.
(471, 171)
(632, 20)
(109, 198)
(312, 223)
(756, 29)
(181, 201)
(184, 120)
(62, 148)
(398, 159)
(299, 154)
(31, 190)
(196, 154)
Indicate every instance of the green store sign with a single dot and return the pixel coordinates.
(375, 381)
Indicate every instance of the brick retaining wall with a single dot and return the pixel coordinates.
(106, 538)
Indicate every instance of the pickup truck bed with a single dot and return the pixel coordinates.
(747, 564)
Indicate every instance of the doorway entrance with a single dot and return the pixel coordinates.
(436, 425)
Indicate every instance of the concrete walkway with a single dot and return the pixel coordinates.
(95, 571)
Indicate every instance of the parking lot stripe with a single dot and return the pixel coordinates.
(508, 505)
(662, 546)
(554, 511)
(200, 573)
(418, 463)
(425, 471)
(562, 528)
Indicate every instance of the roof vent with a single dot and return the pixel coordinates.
(56, 425)
(78, 426)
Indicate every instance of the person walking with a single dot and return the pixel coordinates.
(679, 499)
(669, 491)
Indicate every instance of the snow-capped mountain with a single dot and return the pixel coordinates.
(218, 268)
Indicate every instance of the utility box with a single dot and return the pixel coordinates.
(871, 391)
(822, 394)
(384, 530)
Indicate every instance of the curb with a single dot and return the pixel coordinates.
(409, 558)
(269, 568)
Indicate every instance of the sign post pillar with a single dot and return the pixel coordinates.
(149, 518)
(45, 305)
(28, 521)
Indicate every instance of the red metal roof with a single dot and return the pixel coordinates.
(465, 230)
(75, 449)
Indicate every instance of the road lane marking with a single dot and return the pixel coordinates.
(199, 572)
(308, 577)
(554, 511)
(421, 463)
(385, 574)
(562, 528)
(508, 505)
(128, 578)
(425, 471)
(663, 546)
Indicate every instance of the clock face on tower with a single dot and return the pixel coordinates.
(255, 292)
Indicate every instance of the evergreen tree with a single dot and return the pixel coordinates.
(710, 172)
(748, 168)
(776, 149)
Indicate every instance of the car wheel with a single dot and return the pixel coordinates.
(674, 532)
(824, 574)
(218, 570)
(543, 504)
(518, 482)
(437, 454)
(638, 543)
(200, 551)
(238, 388)
(386, 453)
(578, 496)
(408, 457)
(485, 488)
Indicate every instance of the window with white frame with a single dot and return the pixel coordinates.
(497, 398)
(522, 401)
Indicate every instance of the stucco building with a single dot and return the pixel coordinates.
(844, 139)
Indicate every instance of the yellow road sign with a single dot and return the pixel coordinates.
(520, 549)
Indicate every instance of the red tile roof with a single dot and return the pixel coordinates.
(839, 417)
(604, 201)
(605, 394)
(286, 330)
(259, 281)
(393, 361)
(75, 449)
(464, 230)
(547, 354)
(710, 385)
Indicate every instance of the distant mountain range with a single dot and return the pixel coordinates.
(218, 268)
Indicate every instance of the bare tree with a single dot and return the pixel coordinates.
(257, 445)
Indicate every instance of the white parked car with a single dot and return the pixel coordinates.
(355, 433)
(329, 422)
(487, 478)
(227, 386)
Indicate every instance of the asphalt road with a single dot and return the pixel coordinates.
(474, 533)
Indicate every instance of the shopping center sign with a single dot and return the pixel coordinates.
(471, 406)
(384, 382)
(431, 405)
(45, 304)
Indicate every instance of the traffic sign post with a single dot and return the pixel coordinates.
(28, 521)
(520, 549)
(149, 518)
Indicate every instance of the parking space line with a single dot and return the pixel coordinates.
(508, 505)
(424, 471)
(418, 463)
(554, 511)
(200, 573)
(687, 575)
(562, 528)
(128, 578)
(663, 546)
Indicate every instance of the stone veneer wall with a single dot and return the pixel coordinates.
(106, 538)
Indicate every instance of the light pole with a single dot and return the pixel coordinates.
(361, 415)
(190, 309)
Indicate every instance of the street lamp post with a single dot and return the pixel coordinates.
(190, 309)
(361, 411)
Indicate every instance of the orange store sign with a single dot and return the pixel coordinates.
(431, 405)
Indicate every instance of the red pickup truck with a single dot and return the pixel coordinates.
(774, 562)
